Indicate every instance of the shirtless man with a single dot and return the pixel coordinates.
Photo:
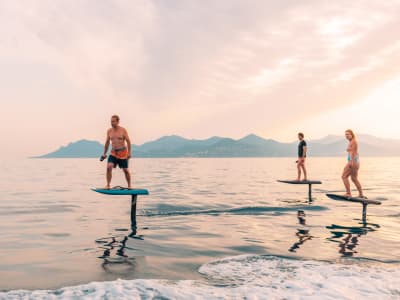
(120, 150)
(302, 150)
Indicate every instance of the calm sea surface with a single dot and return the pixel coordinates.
(56, 232)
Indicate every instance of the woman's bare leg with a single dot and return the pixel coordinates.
(354, 178)
(345, 178)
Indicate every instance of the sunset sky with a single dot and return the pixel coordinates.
(196, 69)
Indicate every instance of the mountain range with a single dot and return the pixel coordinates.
(248, 146)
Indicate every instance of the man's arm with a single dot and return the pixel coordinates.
(128, 143)
(106, 144)
(304, 151)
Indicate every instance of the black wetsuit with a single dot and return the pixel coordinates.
(301, 149)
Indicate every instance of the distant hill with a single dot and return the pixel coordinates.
(82, 148)
(248, 146)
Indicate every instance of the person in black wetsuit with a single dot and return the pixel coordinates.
(301, 161)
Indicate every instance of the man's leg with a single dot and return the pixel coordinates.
(109, 174)
(298, 171)
(127, 176)
(303, 166)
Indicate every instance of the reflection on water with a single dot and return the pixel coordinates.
(115, 256)
(303, 234)
(118, 257)
(348, 238)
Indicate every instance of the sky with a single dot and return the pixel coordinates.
(196, 69)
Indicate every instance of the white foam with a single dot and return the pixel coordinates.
(250, 277)
(294, 279)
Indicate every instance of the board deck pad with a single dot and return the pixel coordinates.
(300, 181)
(353, 199)
(119, 190)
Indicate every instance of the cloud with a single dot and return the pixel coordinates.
(198, 68)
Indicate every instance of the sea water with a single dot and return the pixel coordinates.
(210, 228)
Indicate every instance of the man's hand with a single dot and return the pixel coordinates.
(103, 157)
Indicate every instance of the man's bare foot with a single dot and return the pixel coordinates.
(362, 197)
(129, 187)
(107, 187)
(305, 179)
(347, 195)
(297, 179)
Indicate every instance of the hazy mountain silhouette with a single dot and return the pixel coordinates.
(248, 146)
(82, 148)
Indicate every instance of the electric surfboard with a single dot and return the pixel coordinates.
(119, 190)
(308, 182)
(300, 181)
(353, 199)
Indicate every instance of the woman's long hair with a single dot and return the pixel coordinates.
(352, 134)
